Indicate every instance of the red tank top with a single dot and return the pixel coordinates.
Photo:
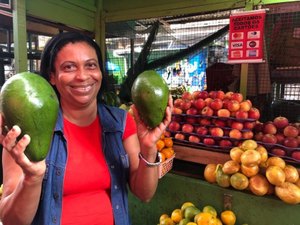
(86, 197)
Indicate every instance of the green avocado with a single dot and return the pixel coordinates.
(150, 94)
(29, 101)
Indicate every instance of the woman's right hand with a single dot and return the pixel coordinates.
(33, 171)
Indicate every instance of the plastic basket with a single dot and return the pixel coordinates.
(166, 166)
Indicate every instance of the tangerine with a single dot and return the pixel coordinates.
(168, 142)
(160, 144)
(168, 152)
(206, 218)
(235, 154)
(185, 205)
(210, 172)
(228, 217)
(176, 215)
(210, 209)
(239, 181)
(249, 144)
(163, 216)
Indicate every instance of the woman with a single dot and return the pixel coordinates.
(96, 150)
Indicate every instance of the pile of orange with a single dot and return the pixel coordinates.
(190, 214)
(165, 147)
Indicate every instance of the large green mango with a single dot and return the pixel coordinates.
(150, 94)
(29, 101)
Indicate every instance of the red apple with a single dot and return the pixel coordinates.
(249, 125)
(247, 134)
(192, 111)
(290, 131)
(258, 136)
(219, 123)
(186, 95)
(207, 111)
(199, 103)
(220, 95)
(253, 113)
(194, 139)
(201, 130)
(177, 102)
(204, 121)
(237, 96)
(240, 114)
(228, 94)
(179, 136)
(176, 110)
(278, 152)
(195, 95)
(212, 94)
(225, 143)
(223, 113)
(216, 132)
(190, 119)
(216, 104)
(245, 105)
(290, 142)
(269, 138)
(185, 105)
(280, 122)
(269, 128)
(208, 101)
(296, 155)
(188, 128)
(203, 94)
(237, 125)
(208, 141)
(174, 126)
(280, 138)
(233, 105)
(258, 127)
(235, 133)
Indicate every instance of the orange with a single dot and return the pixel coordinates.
(168, 152)
(160, 144)
(206, 218)
(176, 215)
(210, 209)
(163, 216)
(167, 221)
(185, 205)
(228, 217)
(168, 142)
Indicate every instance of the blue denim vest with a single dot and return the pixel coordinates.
(50, 206)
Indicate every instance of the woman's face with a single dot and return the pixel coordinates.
(77, 75)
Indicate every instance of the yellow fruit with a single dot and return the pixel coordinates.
(183, 222)
(210, 210)
(176, 215)
(249, 171)
(275, 175)
(263, 153)
(228, 217)
(288, 192)
(210, 172)
(291, 174)
(298, 182)
(239, 181)
(185, 205)
(190, 212)
(167, 221)
(191, 223)
(219, 222)
(250, 157)
(249, 144)
(259, 185)
(205, 218)
(231, 167)
(163, 216)
(235, 154)
(222, 179)
(276, 161)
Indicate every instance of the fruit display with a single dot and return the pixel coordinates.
(252, 169)
(280, 137)
(190, 214)
(213, 119)
(29, 101)
(150, 94)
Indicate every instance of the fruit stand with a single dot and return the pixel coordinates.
(253, 166)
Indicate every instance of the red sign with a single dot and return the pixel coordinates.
(246, 31)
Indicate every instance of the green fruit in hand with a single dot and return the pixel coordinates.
(29, 101)
(150, 94)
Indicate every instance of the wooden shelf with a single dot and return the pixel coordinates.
(198, 155)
